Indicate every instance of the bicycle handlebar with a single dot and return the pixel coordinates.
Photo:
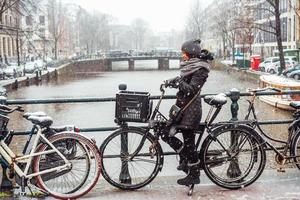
(263, 89)
(162, 86)
(7, 110)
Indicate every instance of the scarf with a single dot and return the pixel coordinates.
(192, 65)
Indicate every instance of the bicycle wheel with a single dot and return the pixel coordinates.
(124, 172)
(233, 157)
(80, 177)
(296, 150)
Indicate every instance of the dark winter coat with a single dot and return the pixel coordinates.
(194, 74)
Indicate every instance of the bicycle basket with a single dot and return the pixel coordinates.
(3, 124)
(133, 106)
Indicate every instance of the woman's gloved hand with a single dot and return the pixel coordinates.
(173, 82)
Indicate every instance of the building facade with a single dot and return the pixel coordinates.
(10, 34)
(265, 43)
(37, 37)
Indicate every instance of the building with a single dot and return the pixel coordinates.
(35, 25)
(265, 43)
(10, 34)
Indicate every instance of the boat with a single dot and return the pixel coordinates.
(282, 83)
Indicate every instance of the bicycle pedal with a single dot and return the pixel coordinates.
(281, 169)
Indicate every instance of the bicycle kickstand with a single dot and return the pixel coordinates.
(191, 190)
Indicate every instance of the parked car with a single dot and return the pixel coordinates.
(268, 61)
(291, 69)
(273, 68)
(41, 65)
(117, 53)
(294, 74)
(51, 64)
(13, 70)
(30, 67)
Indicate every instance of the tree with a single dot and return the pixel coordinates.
(57, 23)
(194, 25)
(139, 28)
(271, 10)
(225, 22)
(93, 30)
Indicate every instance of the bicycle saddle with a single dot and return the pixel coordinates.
(36, 114)
(43, 121)
(295, 105)
(216, 100)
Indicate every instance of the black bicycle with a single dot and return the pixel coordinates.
(231, 154)
(289, 152)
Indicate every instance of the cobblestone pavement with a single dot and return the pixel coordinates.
(271, 185)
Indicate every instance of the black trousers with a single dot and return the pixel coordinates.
(186, 149)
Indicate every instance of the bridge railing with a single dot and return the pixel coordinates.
(234, 95)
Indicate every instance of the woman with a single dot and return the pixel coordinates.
(194, 72)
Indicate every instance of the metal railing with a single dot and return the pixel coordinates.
(234, 95)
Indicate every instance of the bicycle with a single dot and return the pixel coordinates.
(290, 152)
(58, 165)
(132, 156)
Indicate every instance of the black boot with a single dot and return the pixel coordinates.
(193, 175)
(183, 165)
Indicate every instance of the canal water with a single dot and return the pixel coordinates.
(105, 84)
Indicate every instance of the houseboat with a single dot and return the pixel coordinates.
(282, 83)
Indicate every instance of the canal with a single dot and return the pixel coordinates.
(105, 84)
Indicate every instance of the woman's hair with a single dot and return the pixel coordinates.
(206, 55)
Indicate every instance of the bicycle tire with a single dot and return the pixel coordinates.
(115, 161)
(91, 175)
(295, 149)
(215, 163)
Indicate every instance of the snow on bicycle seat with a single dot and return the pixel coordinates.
(216, 100)
(42, 121)
(36, 114)
(295, 105)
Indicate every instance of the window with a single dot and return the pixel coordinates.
(4, 45)
(42, 20)
(29, 20)
(6, 20)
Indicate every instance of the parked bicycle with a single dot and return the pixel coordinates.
(65, 165)
(289, 152)
(231, 152)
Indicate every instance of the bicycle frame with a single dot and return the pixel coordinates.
(203, 126)
(9, 156)
(264, 136)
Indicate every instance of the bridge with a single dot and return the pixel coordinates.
(163, 61)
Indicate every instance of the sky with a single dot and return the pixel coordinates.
(161, 15)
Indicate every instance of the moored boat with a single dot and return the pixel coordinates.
(282, 83)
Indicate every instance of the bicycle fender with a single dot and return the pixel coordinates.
(236, 126)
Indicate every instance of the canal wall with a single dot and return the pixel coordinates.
(100, 65)
(53, 73)
(245, 74)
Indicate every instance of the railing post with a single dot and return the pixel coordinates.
(124, 175)
(234, 169)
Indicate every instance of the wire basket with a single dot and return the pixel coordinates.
(133, 106)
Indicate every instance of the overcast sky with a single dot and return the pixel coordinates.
(161, 15)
